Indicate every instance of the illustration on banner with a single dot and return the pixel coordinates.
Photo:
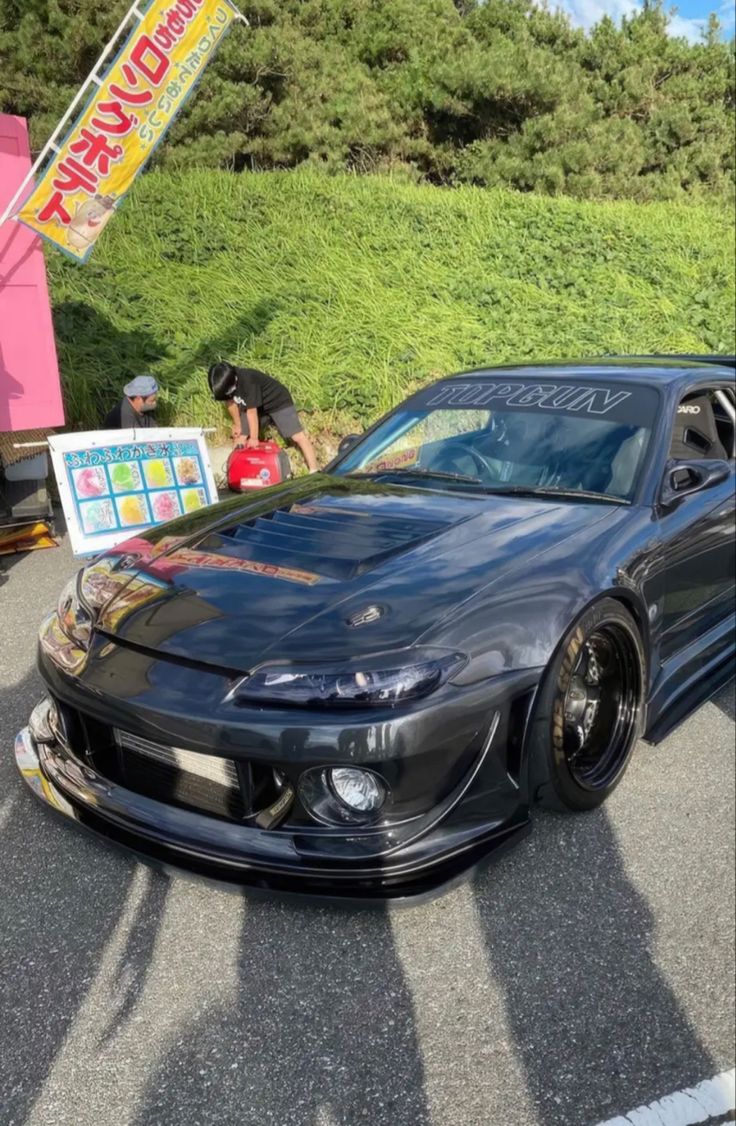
(113, 487)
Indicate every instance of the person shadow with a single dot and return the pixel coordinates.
(235, 341)
(97, 359)
(318, 1032)
(63, 896)
(10, 388)
(187, 393)
(571, 941)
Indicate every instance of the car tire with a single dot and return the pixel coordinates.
(582, 733)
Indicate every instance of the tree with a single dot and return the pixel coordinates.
(499, 92)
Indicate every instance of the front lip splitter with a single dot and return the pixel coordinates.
(257, 860)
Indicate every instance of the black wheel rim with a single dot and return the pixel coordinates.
(600, 707)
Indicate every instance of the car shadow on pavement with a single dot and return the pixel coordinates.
(62, 896)
(725, 701)
(319, 1030)
(570, 940)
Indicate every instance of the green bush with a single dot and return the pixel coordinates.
(353, 290)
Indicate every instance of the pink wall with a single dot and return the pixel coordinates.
(30, 391)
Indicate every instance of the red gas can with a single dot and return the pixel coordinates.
(264, 464)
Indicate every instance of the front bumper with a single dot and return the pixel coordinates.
(460, 800)
(248, 857)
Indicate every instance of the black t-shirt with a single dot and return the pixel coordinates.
(123, 417)
(256, 389)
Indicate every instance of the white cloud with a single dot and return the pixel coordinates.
(727, 16)
(587, 13)
(685, 28)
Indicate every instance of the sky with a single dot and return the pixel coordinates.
(690, 18)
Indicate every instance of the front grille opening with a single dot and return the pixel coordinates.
(206, 783)
(164, 783)
(96, 737)
(260, 784)
(221, 787)
(233, 790)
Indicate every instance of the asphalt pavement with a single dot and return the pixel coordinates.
(588, 972)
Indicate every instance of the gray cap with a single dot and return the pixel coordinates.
(144, 385)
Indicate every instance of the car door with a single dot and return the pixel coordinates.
(698, 546)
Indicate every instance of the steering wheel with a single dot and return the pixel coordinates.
(448, 459)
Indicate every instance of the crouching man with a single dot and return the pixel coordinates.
(253, 397)
(137, 407)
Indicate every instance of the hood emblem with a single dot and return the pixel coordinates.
(365, 616)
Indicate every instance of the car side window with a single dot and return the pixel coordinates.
(724, 409)
(704, 426)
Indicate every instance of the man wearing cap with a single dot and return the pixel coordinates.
(136, 409)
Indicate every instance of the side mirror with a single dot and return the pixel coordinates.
(682, 478)
(347, 443)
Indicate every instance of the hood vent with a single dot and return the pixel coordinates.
(329, 541)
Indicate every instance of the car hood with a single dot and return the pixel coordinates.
(321, 568)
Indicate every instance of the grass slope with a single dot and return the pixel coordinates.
(353, 290)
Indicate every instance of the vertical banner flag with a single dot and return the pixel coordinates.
(132, 106)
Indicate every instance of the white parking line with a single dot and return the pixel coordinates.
(710, 1099)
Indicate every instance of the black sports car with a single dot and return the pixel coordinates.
(358, 683)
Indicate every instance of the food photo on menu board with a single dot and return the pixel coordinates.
(112, 485)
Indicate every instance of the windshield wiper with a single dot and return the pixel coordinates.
(493, 490)
(407, 470)
(563, 494)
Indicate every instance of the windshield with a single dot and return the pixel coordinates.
(568, 439)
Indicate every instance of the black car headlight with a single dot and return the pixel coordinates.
(383, 679)
(74, 617)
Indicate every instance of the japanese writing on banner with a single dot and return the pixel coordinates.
(115, 484)
(128, 114)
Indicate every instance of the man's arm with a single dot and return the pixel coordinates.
(253, 428)
(233, 411)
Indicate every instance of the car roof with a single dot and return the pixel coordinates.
(672, 370)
